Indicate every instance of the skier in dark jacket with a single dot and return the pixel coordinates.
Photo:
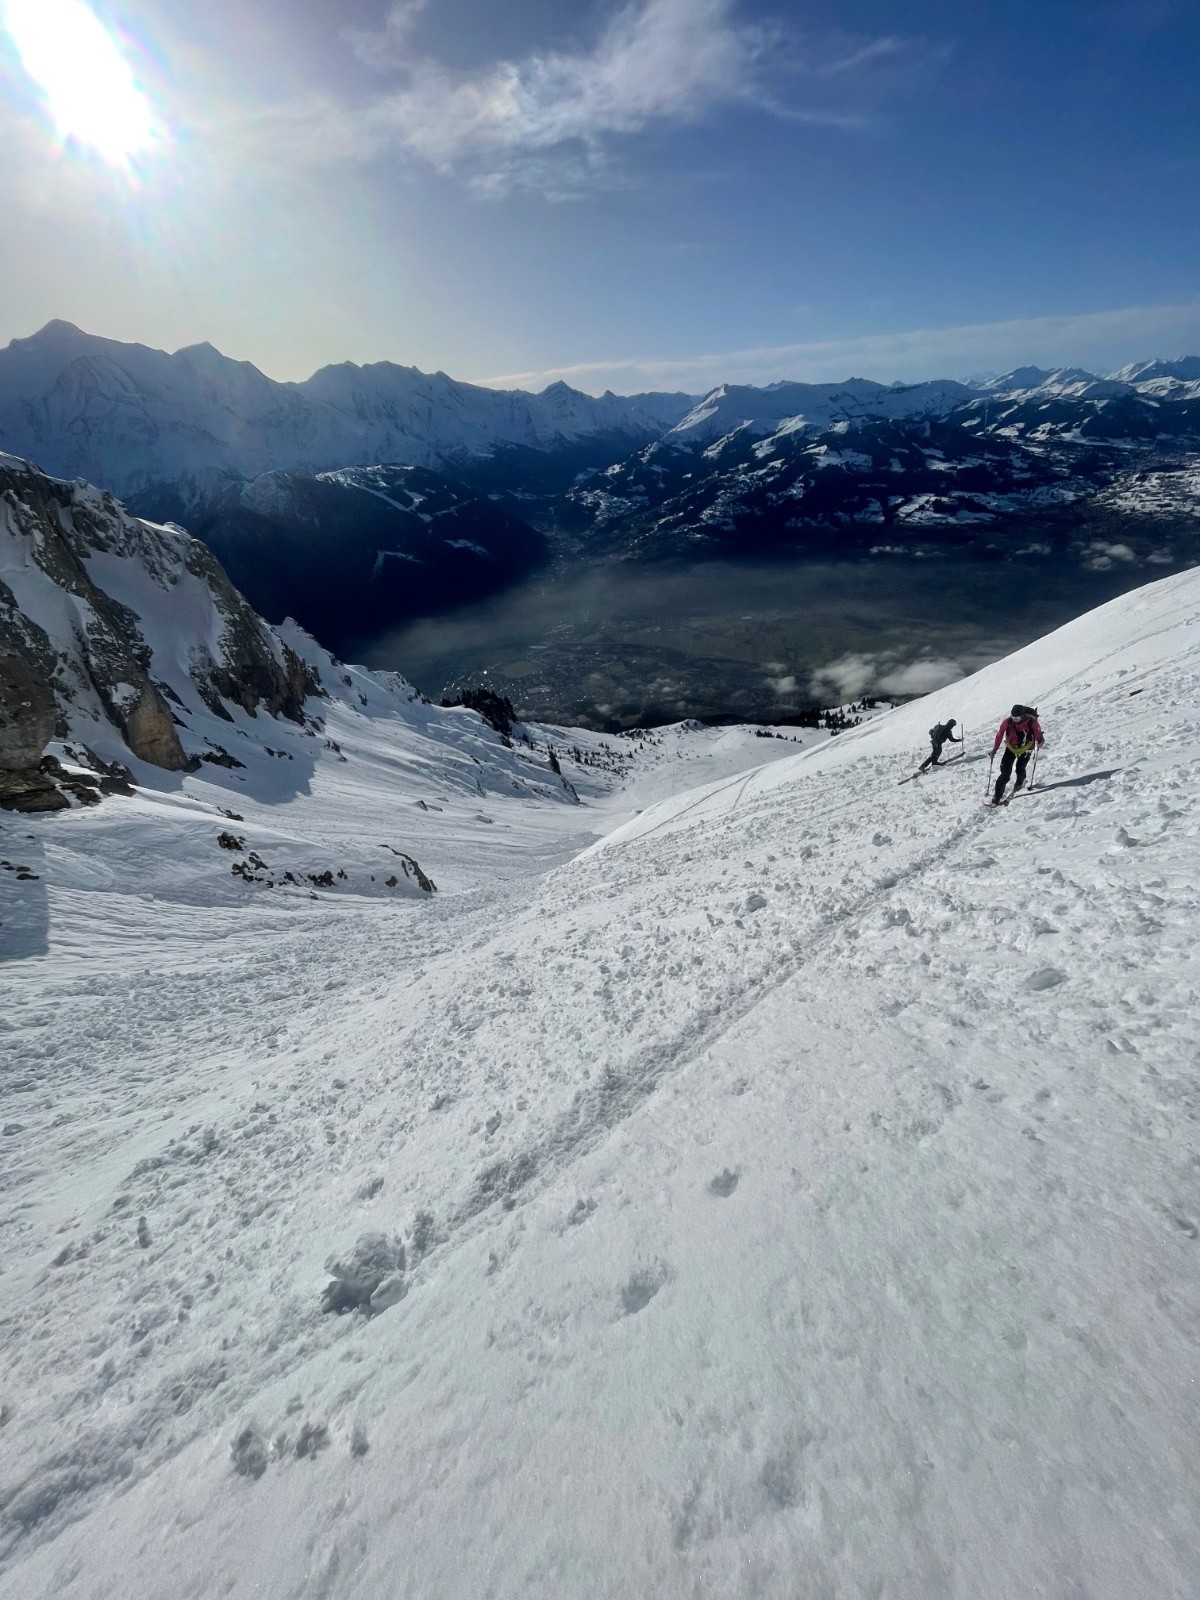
(1020, 733)
(938, 737)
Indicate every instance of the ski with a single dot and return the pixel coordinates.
(1009, 798)
(930, 768)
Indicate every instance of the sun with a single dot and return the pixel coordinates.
(90, 88)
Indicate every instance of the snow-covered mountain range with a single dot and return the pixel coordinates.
(738, 1179)
(1059, 457)
(137, 420)
(797, 406)
(368, 496)
(142, 422)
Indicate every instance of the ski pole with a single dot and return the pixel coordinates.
(1037, 750)
(991, 764)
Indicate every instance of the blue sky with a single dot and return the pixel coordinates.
(666, 193)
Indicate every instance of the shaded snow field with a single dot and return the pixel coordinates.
(791, 1193)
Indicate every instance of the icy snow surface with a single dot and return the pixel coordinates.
(797, 1184)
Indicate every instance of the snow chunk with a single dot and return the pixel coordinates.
(1045, 978)
(375, 1262)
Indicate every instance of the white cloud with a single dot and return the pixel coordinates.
(1100, 339)
(852, 676)
(920, 677)
(657, 60)
(390, 46)
(1103, 557)
(547, 122)
(847, 678)
(867, 55)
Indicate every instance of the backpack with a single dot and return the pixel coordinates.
(1027, 737)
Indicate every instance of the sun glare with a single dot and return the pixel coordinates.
(89, 87)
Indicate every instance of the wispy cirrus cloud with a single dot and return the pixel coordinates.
(657, 61)
(1099, 339)
(871, 54)
(551, 120)
(388, 46)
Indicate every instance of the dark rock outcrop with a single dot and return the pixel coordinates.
(109, 622)
(27, 711)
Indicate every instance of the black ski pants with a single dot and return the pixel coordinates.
(933, 759)
(1006, 766)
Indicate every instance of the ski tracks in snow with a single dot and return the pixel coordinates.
(805, 1186)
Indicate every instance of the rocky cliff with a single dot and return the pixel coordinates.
(120, 639)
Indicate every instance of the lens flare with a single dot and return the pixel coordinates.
(90, 89)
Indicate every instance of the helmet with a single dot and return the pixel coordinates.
(1020, 713)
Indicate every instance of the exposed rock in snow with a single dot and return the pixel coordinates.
(115, 631)
(27, 710)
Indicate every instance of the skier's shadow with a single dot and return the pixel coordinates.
(1075, 783)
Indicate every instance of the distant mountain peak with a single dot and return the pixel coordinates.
(56, 331)
(1184, 368)
(136, 419)
(140, 421)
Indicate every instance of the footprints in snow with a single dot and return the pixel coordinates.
(251, 1452)
(642, 1286)
(645, 1283)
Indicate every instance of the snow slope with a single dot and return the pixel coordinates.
(797, 1183)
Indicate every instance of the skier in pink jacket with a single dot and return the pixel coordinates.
(1020, 733)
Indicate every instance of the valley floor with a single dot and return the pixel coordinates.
(797, 1176)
